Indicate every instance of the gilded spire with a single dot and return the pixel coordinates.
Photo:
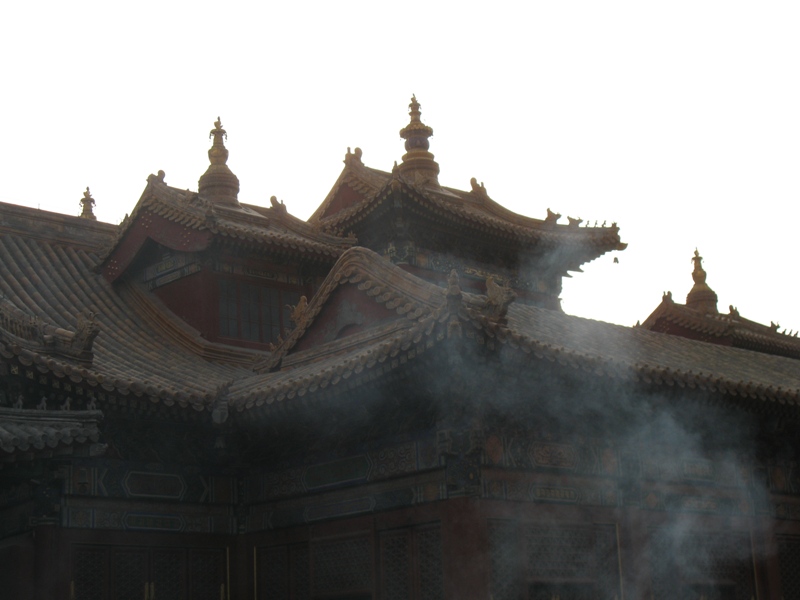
(87, 202)
(218, 184)
(417, 162)
(701, 297)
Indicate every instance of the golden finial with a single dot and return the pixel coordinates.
(87, 202)
(414, 109)
(218, 184)
(698, 275)
(218, 153)
(418, 163)
(701, 297)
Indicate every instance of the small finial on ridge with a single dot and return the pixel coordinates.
(87, 202)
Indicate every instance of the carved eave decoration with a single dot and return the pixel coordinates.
(33, 434)
(22, 333)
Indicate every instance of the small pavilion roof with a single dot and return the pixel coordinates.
(700, 318)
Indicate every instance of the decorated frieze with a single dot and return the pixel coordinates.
(586, 456)
(392, 460)
(117, 479)
(90, 513)
(413, 489)
(498, 485)
(697, 499)
(276, 275)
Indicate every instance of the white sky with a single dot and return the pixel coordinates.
(678, 120)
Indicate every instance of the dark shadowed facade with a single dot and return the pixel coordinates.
(217, 400)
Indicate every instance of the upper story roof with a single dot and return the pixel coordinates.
(361, 192)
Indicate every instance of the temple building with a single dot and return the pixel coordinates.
(218, 400)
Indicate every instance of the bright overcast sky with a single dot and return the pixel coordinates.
(678, 120)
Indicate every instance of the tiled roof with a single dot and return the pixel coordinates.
(135, 353)
(601, 349)
(143, 352)
(26, 434)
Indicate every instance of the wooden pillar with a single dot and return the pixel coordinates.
(465, 549)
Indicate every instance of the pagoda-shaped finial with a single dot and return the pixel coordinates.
(701, 297)
(218, 184)
(87, 203)
(418, 163)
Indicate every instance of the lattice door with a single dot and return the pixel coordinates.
(341, 566)
(129, 575)
(717, 565)
(90, 573)
(273, 573)
(168, 574)
(411, 564)
(282, 573)
(396, 565)
(570, 562)
(564, 591)
(504, 561)
(207, 574)
(789, 560)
